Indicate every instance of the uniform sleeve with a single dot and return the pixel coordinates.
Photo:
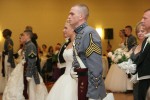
(93, 52)
(10, 53)
(31, 60)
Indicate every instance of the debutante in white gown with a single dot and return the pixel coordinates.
(65, 87)
(14, 87)
(116, 79)
(2, 79)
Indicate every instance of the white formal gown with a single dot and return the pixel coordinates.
(2, 79)
(65, 88)
(14, 87)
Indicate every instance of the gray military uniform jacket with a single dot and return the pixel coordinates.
(30, 57)
(89, 49)
(8, 50)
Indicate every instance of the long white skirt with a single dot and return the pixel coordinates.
(65, 88)
(14, 87)
(3, 80)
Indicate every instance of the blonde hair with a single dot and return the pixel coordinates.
(137, 28)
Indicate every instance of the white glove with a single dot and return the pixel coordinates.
(128, 66)
(132, 68)
(73, 74)
(28, 79)
(8, 64)
(37, 87)
(134, 79)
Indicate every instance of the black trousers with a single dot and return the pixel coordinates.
(25, 91)
(142, 89)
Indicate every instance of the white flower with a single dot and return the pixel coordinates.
(66, 40)
(127, 54)
(119, 56)
(148, 40)
(110, 54)
(148, 35)
(115, 60)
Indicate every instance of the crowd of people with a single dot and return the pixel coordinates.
(76, 66)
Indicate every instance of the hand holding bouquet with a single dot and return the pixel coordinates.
(121, 58)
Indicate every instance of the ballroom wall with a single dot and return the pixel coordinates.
(47, 17)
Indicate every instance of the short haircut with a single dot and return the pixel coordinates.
(28, 28)
(84, 8)
(147, 10)
(129, 27)
(7, 32)
(29, 32)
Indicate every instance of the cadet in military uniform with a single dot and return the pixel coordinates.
(30, 57)
(8, 60)
(89, 49)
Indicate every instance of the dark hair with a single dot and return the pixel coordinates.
(35, 36)
(44, 45)
(123, 32)
(59, 44)
(50, 50)
(29, 32)
(28, 28)
(6, 32)
(129, 27)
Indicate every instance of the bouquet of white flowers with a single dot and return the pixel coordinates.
(122, 59)
(119, 56)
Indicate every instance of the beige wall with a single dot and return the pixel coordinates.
(47, 17)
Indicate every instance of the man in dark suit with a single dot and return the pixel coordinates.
(143, 65)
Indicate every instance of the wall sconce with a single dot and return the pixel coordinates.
(1, 37)
(100, 32)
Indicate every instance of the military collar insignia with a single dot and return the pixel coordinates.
(78, 29)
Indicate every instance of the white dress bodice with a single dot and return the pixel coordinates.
(68, 56)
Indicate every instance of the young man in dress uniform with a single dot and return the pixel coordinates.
(8, 60)
(89, 49)
(30, 57)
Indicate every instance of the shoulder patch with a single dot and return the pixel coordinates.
(32, 55)
(92, 48)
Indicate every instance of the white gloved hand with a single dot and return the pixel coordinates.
(8, 64)
(128, 66)
(37, 88)
(73, 74)
(134, 79)
(28, 79)
(132, 68)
